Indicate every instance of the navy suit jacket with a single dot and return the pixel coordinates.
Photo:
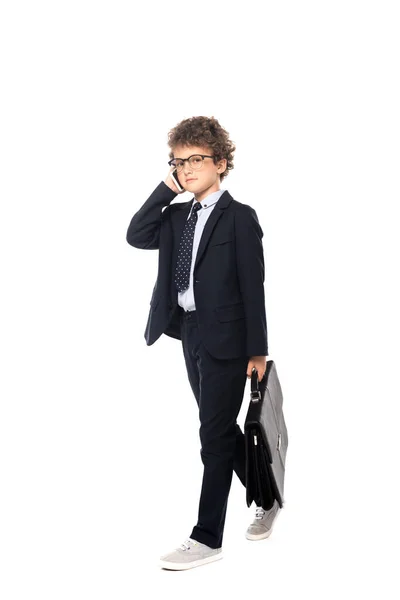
(228, 275)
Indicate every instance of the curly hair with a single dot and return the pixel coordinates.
(204, 131)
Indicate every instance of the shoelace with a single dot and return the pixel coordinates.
(186, 544)
(260, 512)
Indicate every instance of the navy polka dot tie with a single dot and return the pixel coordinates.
(184, 261)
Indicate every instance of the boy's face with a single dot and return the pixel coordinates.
(200, 179)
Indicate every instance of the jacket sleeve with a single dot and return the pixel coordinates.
(144, 228)
(250, 270)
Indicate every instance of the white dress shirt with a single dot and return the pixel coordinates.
(186, 298)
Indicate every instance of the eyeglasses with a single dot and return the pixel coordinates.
(195, 161)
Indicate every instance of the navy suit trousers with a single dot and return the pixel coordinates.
(218, 386)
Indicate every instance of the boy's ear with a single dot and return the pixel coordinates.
(223, 163)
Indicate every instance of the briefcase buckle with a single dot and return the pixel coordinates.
(255, 396)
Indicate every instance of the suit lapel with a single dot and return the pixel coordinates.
(223, 202)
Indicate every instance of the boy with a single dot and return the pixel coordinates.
(209, 294)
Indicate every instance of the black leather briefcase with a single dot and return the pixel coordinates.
(266, 440)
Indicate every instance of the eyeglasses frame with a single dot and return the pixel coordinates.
(187, 159)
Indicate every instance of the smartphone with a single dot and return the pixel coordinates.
(174, 176)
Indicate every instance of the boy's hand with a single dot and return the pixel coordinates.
(260, 363)
(168, 180)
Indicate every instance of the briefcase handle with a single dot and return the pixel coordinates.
(255, 393)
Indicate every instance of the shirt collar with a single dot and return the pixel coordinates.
(210, 199)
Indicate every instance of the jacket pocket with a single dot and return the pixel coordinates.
(220, 242)
(230, 313)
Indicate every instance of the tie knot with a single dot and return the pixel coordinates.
(197, 205)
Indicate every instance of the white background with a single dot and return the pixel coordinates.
(99, 445)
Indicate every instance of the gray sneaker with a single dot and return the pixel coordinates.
(190, 554)
(263, 523)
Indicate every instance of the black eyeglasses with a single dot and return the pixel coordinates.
(195, 161)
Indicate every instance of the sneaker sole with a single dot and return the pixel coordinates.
(164, 564)
(263, 536)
